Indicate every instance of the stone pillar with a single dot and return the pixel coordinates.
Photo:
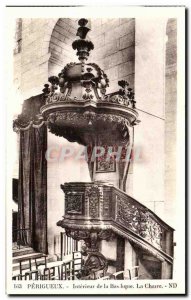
(111, 256)
(130, 257)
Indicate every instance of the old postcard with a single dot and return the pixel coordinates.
(95, 150)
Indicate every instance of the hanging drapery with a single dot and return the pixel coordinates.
(33, 188)
(32, 191)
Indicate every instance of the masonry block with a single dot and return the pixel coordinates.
(112, 73)
(71, 22)
(64, 32)
(112, 60)
(128, 54)
(55, 48)
(126, 68)
(69, 27)
(98, 41)
(106, 50)
(127, 41)
(57, 36)
(109, 26)
(120, 31)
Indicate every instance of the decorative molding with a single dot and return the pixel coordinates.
(92, 196)
(91, 237)
(142, 243)
(77, 234)
(88, 116)
(87, 120)
(106, 205)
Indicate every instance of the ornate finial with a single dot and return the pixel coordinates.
(82, 22)
(127, 92)
(83, 46)
(82, 30)
(54, 83)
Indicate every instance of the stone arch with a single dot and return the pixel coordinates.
(60, 44)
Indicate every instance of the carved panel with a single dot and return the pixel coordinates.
(74, 203)
(105, 163)
(138, 220)
(78, 234)
(106, 205)
(92, 195)
(105, 166)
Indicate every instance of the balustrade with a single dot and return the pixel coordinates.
(101, 206)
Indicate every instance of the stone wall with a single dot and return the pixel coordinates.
(33, 67)
(60, 46)
(114, 42)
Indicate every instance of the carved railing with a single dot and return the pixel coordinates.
(98, 205)
(142, 222)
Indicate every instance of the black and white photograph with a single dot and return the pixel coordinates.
(97, 150)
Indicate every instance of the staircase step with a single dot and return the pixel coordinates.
(34, 255)
(23, 251)
(25, 265)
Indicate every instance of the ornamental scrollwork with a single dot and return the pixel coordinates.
(117, 99)
(73, 203)
(92, 196)
(103, 165)
(124, 97)
(90, 118)
(92, 77)
(139, 220)
(93, 261)
(77, 234)
(88, 115)
(107, 235)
